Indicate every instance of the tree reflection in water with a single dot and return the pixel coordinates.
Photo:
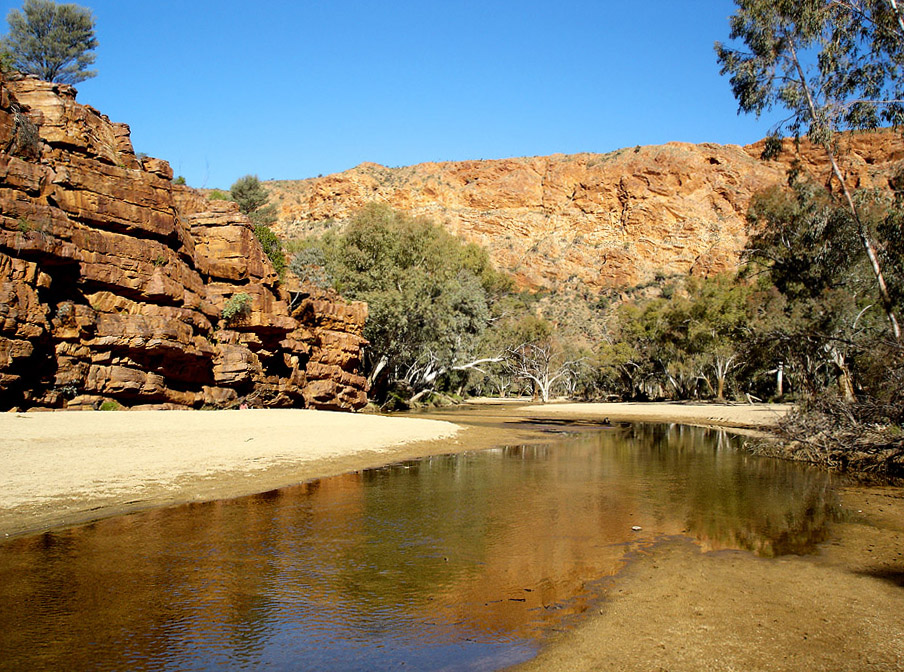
(458, 560)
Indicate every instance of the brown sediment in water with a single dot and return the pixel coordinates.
(673, 606)
(676, 607)
(69, 468)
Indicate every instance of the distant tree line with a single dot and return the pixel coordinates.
(800, 321)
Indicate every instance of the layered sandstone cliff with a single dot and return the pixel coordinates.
(587, 221)
(114, 281)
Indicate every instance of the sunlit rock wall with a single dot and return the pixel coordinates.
(113, 281)
(589, 221)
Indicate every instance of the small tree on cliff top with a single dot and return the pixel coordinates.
(249, 193)
(834, 65)
(53, 42)
(252, 199)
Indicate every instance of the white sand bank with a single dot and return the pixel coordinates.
(90, 456)
(754, 416)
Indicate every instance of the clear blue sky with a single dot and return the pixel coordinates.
(289, 90)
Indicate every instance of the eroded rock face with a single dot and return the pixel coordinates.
(113, 281)
(587, 220)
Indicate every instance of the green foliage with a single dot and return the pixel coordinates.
(237, 307)
(54, 42)
(249, 193)
(818, 308)
(272, 247)
(217, 195)
(603, 301)
(264, 216)
(428, 293)
(888, 219)
(309, 260)
(682, 347)
(819, 311)
(832, 65)
(803, 239)
(252, 198)
(109, 406)
(180, 180)
(6, 59)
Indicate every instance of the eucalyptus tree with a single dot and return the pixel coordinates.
(253, 200)
(429, 295)
(537, 353)
(672, 347)
(716, 315)
(821, 317)
(249, 193)
(834, 65)
(51, 41)
(543, 365)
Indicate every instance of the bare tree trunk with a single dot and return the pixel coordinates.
(847, 387)
(862, 230)
(894, 6)
(845, 379)
(779, 380)
(377, 370)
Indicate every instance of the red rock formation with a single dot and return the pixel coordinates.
(113, 280)
(586, 220)
(333, 329)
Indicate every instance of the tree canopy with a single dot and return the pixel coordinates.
(428, 293)
(823, 316)
(54, 42)
(249, 193)
(833, 65)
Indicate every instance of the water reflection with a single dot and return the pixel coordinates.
(452, 562)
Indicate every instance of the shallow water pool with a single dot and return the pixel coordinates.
(457, 562)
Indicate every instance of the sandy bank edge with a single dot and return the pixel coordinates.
(67, 468)
(676, 607)
(739, 416)
(62, 469)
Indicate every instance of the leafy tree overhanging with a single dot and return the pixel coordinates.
(834, 65)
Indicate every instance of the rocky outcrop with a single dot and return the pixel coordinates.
(117, 285)
(587, 221)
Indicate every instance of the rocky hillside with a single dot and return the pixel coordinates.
(585, 220)
(118, 286)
